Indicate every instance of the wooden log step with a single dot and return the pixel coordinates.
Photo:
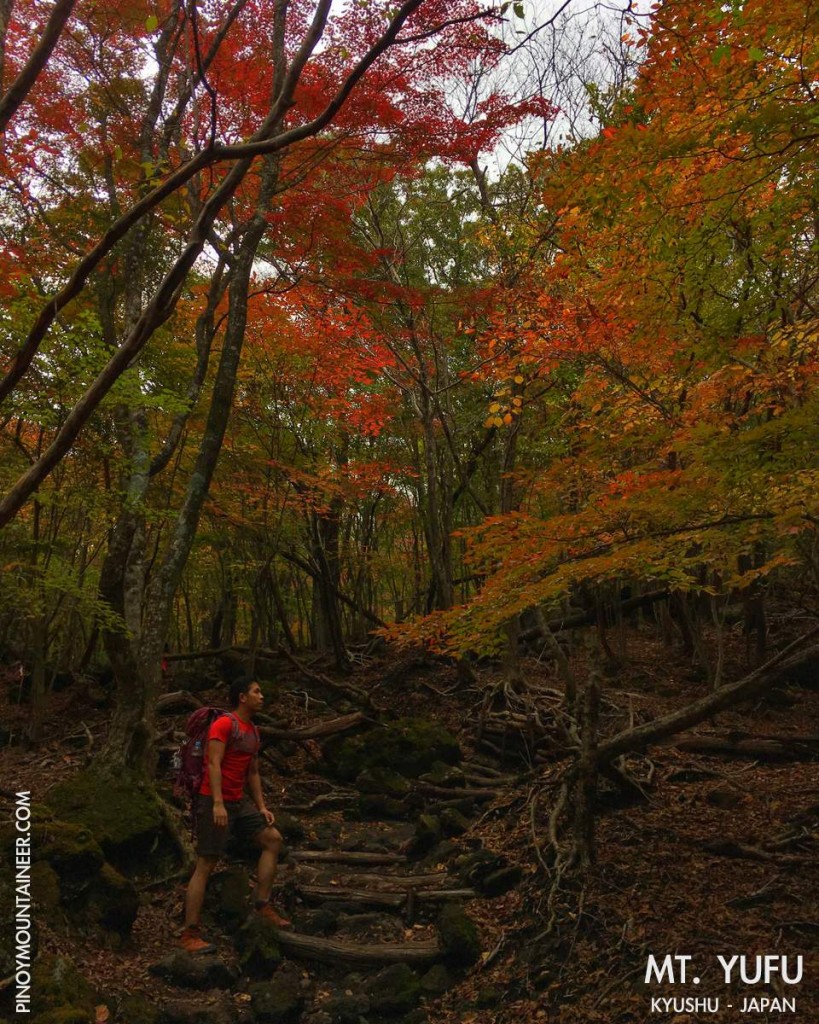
(394, 898)
(331, 951)
(346, 857)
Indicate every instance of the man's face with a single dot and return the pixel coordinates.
(254, 698)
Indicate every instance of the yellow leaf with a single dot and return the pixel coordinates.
(507, 419)
(518, 379)
(494, 407)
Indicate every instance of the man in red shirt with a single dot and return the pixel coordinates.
(222, 808)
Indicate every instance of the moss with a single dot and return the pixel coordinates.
(57, 985)
(436, 981)
(459, 936)
(257, 943)
(123, 813)
(427, 833)
(113, 901)
(278, 1001)
(72, 853)
(383, 781)
(138, 1010)
(234, 889)
(45, 887)
(395, 990)
(407, 746)
(453, 822)
(64, 1015)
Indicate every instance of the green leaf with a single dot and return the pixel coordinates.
(756, 54)
(518, 9)
(720, 53)
(151, 23)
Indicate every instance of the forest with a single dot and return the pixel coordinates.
(450, 370)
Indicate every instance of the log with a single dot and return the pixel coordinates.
(394, 898)
(347, 857)
(758, 748)
(317, 730)
(451, 791)
(330, 951)
(179, 698)
(727, 696)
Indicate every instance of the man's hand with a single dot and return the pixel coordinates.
(267, 815)
(220, 817)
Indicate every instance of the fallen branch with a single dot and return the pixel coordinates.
(758, 748)
(179, 698)
(394, 898)
(727, 696)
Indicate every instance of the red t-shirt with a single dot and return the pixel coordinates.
(238, 755)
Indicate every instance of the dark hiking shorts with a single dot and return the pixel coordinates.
(244, 822)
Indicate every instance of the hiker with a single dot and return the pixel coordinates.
(222, 808)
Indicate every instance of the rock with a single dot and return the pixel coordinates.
(459, 936)
(417, 1016)
(394, 990)
(383, 781)
(453, 823)
(45, 887)
(502, 880)
(63, 1015)
(113, 901)
(474, 867)
(318, 1017)
(427, 833)
(71, 851)
(280, 1000)
(407, 746)
(122, 813)
(444, 775)
(488, 997)
(138, 1010)
(290, 827)
(322, 921)
(234, 890)
(724, 797)
(179, 1012)
(374, 806)
(258, 946)
(436, 981)
(347, 1008)
(57, 987)
(199, 972)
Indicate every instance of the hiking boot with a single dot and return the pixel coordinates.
(192, 941)
(269, 914)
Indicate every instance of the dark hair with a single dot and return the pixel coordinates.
(239, 686)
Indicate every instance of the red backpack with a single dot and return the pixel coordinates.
(189, 761)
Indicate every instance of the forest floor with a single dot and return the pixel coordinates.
(719, 859)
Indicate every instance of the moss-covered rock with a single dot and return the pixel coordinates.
(441, 774)
(290, 827)
(138, 1010)
(122, 812)
(436, 981)
(45, 887)
(453, 823)
(70, 850)
(258, 946)
(64, 1015)
(195, 971)
(233, 890)
(474, 867)
(407, 746)
(278, 1001)
(373, 806)
(427, 833)
(395, 990)
(459, 936)
(383, 781)
(57, 985)
(347, 1009)
(113, 902)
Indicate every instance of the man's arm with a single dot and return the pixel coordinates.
(216, 751)
(254, 785)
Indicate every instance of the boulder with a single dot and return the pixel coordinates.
(502, 880)
(122, 813)
(59, 992)
(280, 1000)
(407, 746)
(453, 823)
(383, 781)
(459, 936)
(138, 1010)
(194, 971)
(474, 867)
(427, 833)
(348, 1008)
(233, 895)
(441, 774)
(436, 981)
(258, 947)
(219, 1011)
(394, 991)
(113, 902)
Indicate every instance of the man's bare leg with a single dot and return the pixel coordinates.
(270, 841)
(195, 893)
